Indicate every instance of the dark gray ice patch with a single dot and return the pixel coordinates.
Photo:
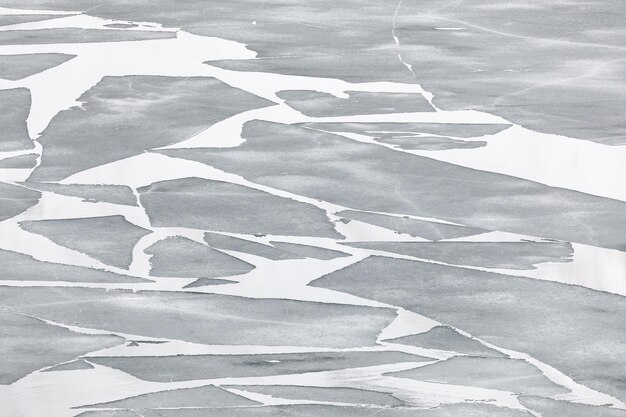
(574, 329)
(358, 175)
(185, 368)
(446, 338)
(14, 109)
(27, 161)
(221, 206)
(127, 115)
(110, 239)
(318, 104)
(28, 344)
(71, 366)
(509, 255)
(207, 396)
(451, 410)
(554, 408)
(16, 67)
(503, 374)
(116, 194)
(417, 228)
(20, 267)
(181, 257)
(334, 394)
(76, 35)
(15, 200)
(205, 318)
(225, 242)
(387, 129)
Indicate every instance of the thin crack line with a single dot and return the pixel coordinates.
(395, 38)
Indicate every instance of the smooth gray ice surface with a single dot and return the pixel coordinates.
(446, 338)
(29, 344)
(414, 227)
(110, 239)
(21, 267)
(16, 67)
(116, 194)
(206, 396)
(225, 207)
(317, 104)
(503, 374)
(124, 116)
(76, 35)
(332, 394)
(554, 66)
(17, 19)
(576, 330)
(314, 164)
(27, 161)
(180, 257)
(15, 200)
(219, 241)
(183, 316)
(14, 108)
(508, 255)
(184, 368)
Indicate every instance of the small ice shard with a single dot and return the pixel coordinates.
(200, 397)
(331, 394)
(180, 257)
(317, 104)
(71, 366)
(16, 67)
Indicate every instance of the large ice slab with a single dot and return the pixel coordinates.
(110, 239)
(225, 207)
(122, 116)
(184, 368)
(205, 318)
(573, 329)
(29, 344)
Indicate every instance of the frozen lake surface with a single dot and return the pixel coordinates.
(310, 209)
